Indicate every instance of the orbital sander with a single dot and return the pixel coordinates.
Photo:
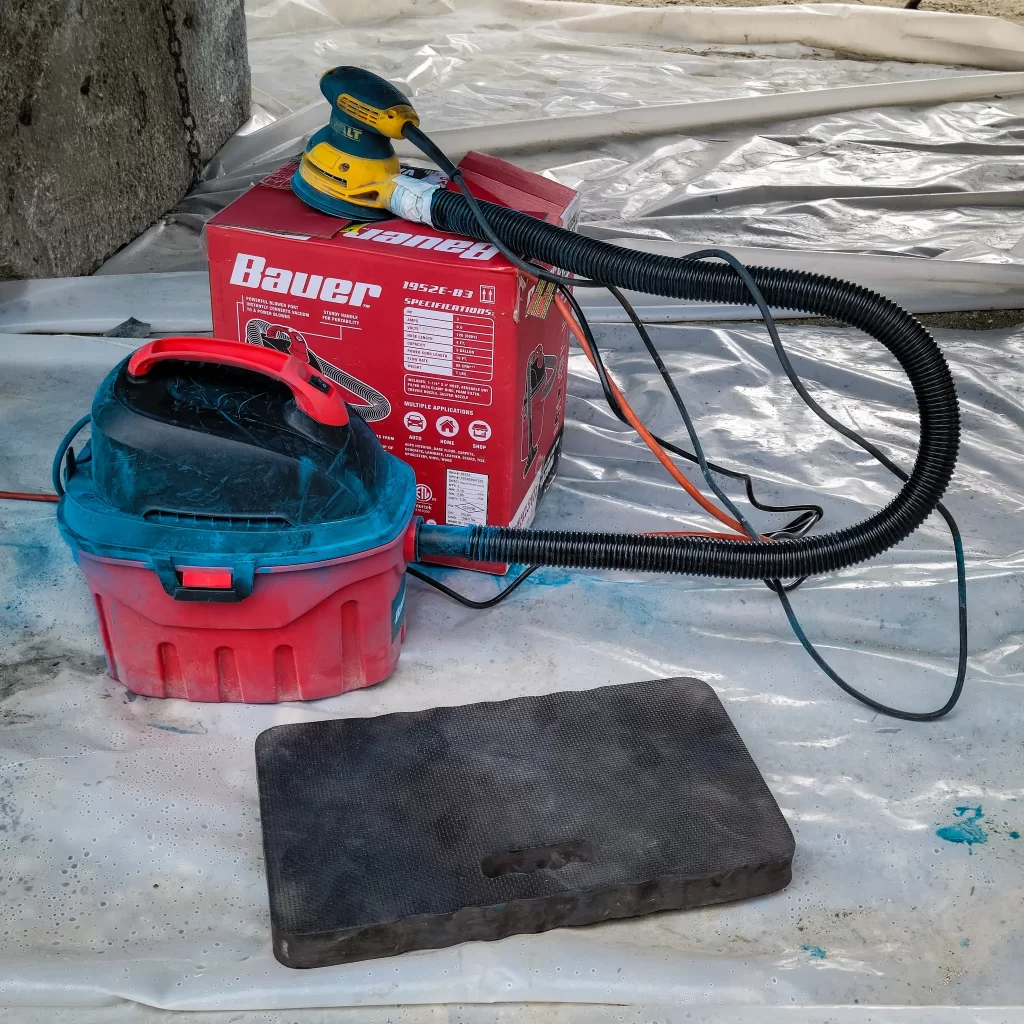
(349, 165)
(302, 506)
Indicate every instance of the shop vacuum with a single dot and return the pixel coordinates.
(246, 537)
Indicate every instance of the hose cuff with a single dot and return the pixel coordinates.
(411, 198)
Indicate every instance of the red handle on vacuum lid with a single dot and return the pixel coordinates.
(316, 397)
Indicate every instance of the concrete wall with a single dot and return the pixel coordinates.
(93, 147)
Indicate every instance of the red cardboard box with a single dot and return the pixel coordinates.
(445, 347)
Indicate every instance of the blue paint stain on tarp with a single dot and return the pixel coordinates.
(35, 564)
(965, 943)
(967, 830)
(174, 728)
(1015, 835)
(28, 557)
(552, 578)
(817, 953)
(632, 599)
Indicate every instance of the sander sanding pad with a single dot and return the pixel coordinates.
(421, 830)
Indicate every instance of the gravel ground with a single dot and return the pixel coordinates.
(1000, 8)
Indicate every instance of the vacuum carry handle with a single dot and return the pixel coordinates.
(315, 396)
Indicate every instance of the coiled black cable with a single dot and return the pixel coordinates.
(684, 278)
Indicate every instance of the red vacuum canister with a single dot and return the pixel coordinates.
(242, 531)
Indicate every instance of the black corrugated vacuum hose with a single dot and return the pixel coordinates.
(912, 346)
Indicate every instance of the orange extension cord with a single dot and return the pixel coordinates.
(27, 496)
(662, 456)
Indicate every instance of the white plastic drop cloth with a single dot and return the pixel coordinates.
(129, 829)
(824, 128)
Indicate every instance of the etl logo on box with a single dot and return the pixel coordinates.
(253, 272)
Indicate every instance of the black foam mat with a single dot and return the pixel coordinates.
(425, 829)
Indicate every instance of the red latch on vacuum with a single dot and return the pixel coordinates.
(208, 579)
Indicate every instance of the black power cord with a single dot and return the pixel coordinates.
(810, 514)
(467, 601)
(563, 282)
(879, 456)
(800, 526)
(56, 469)
(776, 586)
(430, 149)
